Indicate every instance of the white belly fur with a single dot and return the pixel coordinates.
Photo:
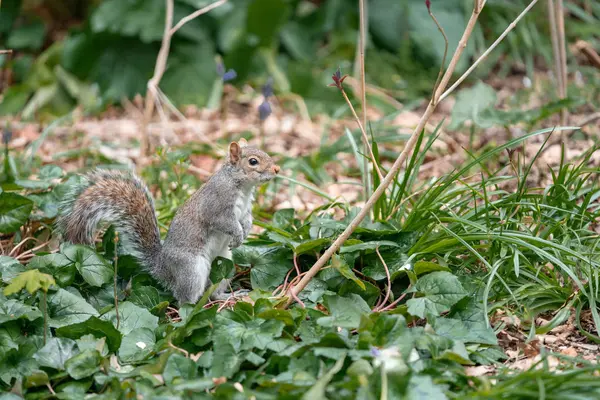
(218, 243)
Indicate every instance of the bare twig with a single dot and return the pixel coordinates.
(441, 73)
(364, 135)
(363, 100)
(161, 63)
(488, 51)
(587, 49)
(397, 164)
(562, 47)
(389, 280)
(555, 50)
(7, 51)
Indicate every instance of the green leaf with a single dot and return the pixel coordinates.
(94, 269)
(424, 267)
(312, 246)
(131, 317)
(269, 264)
(29, 36)
(58, 265)
(440, 291)
(319, 389)
(11, 310)
(56, 352)
(345, 312)
(221, 268)
(84, 364)
(145, 297)
(139, 18)
(10, 268)
(93, 326)
(342, 266)
(137, 345)
(178, 366)
(10, 337)
(14, 211)
(259, 11)
(66, 308)
(471, 102)
(31, 280)
(421, 387)
(467, 323)
(368, 246)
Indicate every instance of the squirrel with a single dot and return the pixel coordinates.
(214, 220)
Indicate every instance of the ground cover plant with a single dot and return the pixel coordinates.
(467, 270)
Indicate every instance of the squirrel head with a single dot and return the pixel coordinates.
(255, 165)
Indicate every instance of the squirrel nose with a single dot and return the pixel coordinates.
(276, 169)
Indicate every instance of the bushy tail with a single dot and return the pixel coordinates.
(114, 197)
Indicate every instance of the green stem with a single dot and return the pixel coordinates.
(45, 295)
(116, 260)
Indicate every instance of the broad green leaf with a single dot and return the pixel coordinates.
(467, 323)
(14, 211)
(311, 246)
(319, 389)
(145, 297)
(66, 308)
(32, 280)
(10, 268)
(229, 360)
(178, 366)
(93, 326)
(56, 352)
(10, 337)
(58, 265)
(259, 11)
(131, 317)
(440, 291)
(421, 387)
(342, 266)
(12, 310)
(83, 364)
(269, 264)
(221, 268)
(94, 269)
(28, 36)
(372, 245)
(137, 345)
(470, 102)
(344, 312)
(424, 267)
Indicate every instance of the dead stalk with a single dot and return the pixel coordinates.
(363, 100)
(161, 63)
(320, 263)
(389, 280)
(508, 29)
(560, 22)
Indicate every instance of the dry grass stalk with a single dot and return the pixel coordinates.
(478, 5)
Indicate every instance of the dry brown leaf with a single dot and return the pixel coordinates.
(479, 370)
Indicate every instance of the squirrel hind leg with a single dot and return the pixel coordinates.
(189, 274)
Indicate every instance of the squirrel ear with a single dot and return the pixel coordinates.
(242, 142)
(235, 152)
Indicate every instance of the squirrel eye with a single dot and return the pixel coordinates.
(253, 161)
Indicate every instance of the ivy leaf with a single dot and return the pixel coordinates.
(96, 327)
(58, 265)
(94, 269)
(269, 264)
(137, 345)
(179, 366)
(131, 317)
(342, 266)
(56, 352)
(12, 310)
(145, 297)
(345, 312)
(31, 280)
(466, 322)
(421, 387)
(470, 103)
(66, 308)
(221, 268)
(84, 364)
(10, 268)
(14, 211)
(10, 337)
(440, 291)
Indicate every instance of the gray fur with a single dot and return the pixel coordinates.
(216, 218)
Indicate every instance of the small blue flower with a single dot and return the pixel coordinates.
(6, 135)
(375, 352)
(264, 110)
(267, 89)
(225, 75)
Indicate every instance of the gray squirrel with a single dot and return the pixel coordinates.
(214, 220)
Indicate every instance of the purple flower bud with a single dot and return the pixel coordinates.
(428, 4)
(229, 75)
(6, 135)
(220, 68)
(264, 110)
(267, 89)
(375, 352)
(338, 79)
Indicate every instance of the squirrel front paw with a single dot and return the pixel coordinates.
(236, 241)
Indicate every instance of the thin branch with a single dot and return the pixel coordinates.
(195, 14)
(395, 167)
(562, 47)
(364, 135)
(555, 50)
(6, 51)
(320, 263)
(488, 51)
(389, 280)
(116, 295)
(440, 74)
(363, 98)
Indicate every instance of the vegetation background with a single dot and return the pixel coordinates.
(474, 275)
